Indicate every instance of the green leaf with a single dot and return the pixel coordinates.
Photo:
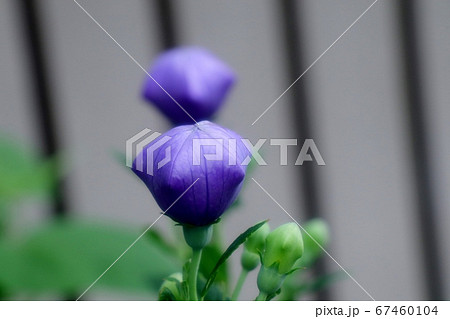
(184, 283)
(171, 288)
(23, 173)
(215, 293)
(157, 238)
(185, 290)
(234, 245)
(185, 272)
(294, 270)
(66, 257)
(210, 256)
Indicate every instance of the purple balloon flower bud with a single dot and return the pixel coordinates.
(206, 151)
(194, 77)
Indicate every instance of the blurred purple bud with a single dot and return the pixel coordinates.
(194, 77)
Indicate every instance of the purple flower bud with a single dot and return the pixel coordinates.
(194, 77)
(208, 152)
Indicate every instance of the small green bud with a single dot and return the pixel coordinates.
(284, 246)
(253, 246)
(170, 288)
(249, 260)
(318, 230)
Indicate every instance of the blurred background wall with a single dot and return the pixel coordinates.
(376, 104)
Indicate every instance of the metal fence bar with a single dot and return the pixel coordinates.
(165, 15)
(418, 133)
(301, 109)
(43, 105)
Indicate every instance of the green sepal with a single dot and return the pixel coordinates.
(190, 225)
(166, 295)
(294, 270)
(197, 237)
(269, 279)
(271, 296)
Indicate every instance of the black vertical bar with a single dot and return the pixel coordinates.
(165, 15)
(415, 102)
(43, 104)
(301, 108)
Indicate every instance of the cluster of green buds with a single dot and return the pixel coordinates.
(283, 247)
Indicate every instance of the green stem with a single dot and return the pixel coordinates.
(193, 273)
(261, 297)
(4, 216)
(239, 284)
